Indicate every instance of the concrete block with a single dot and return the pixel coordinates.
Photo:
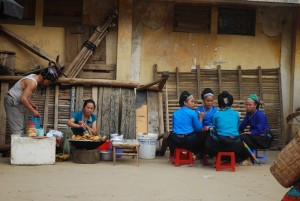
(30, 151)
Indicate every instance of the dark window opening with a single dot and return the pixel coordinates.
(236, 21)
(191, 18)
(60, 13)
(14, 16)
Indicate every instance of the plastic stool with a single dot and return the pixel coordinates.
(183, 156)
(262, 158)
(220, 165)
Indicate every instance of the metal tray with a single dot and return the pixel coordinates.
(85, 144)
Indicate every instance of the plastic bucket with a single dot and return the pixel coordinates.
(147, 145)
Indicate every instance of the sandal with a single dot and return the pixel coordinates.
(246, 163)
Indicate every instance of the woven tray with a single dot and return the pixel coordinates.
(286, 168)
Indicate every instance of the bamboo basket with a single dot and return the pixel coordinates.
(286, 168)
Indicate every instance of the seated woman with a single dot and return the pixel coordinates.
(225, 135)
(207, 109)
(84, 121)
(186, 127)
(258, 136)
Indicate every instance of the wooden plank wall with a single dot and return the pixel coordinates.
(115, 108)
(240, 83)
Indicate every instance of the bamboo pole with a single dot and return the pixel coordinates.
(77, 64)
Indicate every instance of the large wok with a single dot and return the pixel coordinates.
(86, 144)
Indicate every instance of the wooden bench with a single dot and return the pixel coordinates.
(130, 147)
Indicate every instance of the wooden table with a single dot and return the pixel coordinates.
(130, 147)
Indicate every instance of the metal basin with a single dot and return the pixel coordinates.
(106, 156)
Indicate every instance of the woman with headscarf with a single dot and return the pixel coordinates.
(186, 127)
(207, 111)
(258, 136)
(225, 134)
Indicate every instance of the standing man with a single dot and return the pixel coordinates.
(17, 100)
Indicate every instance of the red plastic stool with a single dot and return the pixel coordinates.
(182, 156)
(220, 165)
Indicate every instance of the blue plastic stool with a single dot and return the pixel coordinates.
(260, 158)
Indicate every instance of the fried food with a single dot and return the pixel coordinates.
(96, 138)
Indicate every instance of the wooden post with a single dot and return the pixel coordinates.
(240, 82)
(4, 90)
(260, 83)
(153, 118)
(167, 110)
(281, 109)
(177, 83)
(46, 110)
(155, 72)
(72, 101)
(160, 113)
(99, 113)
(56, 107)
(220, 78)
(199, 82)
(79, 98)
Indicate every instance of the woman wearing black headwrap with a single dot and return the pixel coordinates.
(186, 126)
(225, 134)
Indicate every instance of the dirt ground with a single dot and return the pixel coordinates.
(152, 180)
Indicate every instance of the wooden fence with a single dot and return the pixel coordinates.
(240, 83)
(115, 108)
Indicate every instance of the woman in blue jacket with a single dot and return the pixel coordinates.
(224, 136)
(186, 126)
(258, 136)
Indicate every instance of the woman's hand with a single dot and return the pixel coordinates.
(205, 128)
(201, 116)
(82, 124)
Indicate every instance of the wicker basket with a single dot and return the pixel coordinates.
(286, 168)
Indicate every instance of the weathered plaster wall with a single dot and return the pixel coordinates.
(48, 39)
(124, 39)
(168, 49)
(295, 78)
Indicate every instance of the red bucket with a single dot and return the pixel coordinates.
(105, 146)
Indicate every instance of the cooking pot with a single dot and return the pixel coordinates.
(106, 156)
(85, 144)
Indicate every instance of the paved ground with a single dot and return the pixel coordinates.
(152, 180)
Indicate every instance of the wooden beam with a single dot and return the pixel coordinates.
(161, 83)
(29, 46)
(81, 81)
